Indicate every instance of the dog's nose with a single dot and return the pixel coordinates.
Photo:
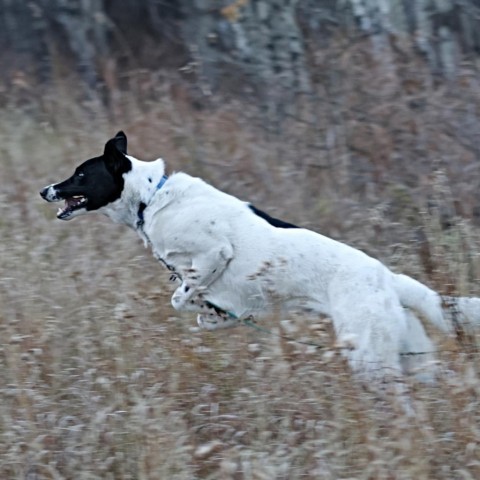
(44, 192)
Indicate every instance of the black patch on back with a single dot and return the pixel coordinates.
(272, 221)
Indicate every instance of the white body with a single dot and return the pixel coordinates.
(235, 260)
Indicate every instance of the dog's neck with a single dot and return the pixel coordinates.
(142, 206)
(141, 183)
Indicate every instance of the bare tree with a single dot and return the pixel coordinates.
(259, 39)
(442, 30)
(264, 44)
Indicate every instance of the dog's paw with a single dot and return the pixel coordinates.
(212, 321)
(182, 296)
(178, 302)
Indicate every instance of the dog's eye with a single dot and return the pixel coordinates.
(81, 174)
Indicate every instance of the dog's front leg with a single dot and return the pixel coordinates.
(204, 270)
(212, 321)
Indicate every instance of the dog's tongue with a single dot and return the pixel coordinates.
(72, 201)
(70, 204)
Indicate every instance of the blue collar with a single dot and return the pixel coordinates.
(143, 206)
(162, 182)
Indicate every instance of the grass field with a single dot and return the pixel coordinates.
(101, 379)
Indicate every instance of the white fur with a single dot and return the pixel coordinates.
(233, 259)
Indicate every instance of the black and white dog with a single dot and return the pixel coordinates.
(235, 261)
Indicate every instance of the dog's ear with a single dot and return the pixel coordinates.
(114, 155)
(120, 141)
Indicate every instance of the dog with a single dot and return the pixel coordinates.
(236, 262)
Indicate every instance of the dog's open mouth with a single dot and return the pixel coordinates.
(71, 204)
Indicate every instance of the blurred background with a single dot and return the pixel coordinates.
(356, 118)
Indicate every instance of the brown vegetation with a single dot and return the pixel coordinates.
(101, 378)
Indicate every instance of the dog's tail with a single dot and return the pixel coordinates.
(422, 300)
(447, 313)
(462, 310)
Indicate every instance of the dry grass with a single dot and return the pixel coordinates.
(101, 379)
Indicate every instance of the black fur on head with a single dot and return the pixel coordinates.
(114, 156)
(95, 183)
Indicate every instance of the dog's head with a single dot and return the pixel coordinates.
(96, 183)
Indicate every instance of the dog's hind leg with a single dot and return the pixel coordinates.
(367, 315)
(417, 351)
(372, 331)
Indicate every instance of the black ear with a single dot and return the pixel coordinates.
(114, 155)
(120, 141)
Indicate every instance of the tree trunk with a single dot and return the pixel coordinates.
(442, 30)
(81, 21)
(260, 40)
(262, 44)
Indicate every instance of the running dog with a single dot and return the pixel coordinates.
(235, 261)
